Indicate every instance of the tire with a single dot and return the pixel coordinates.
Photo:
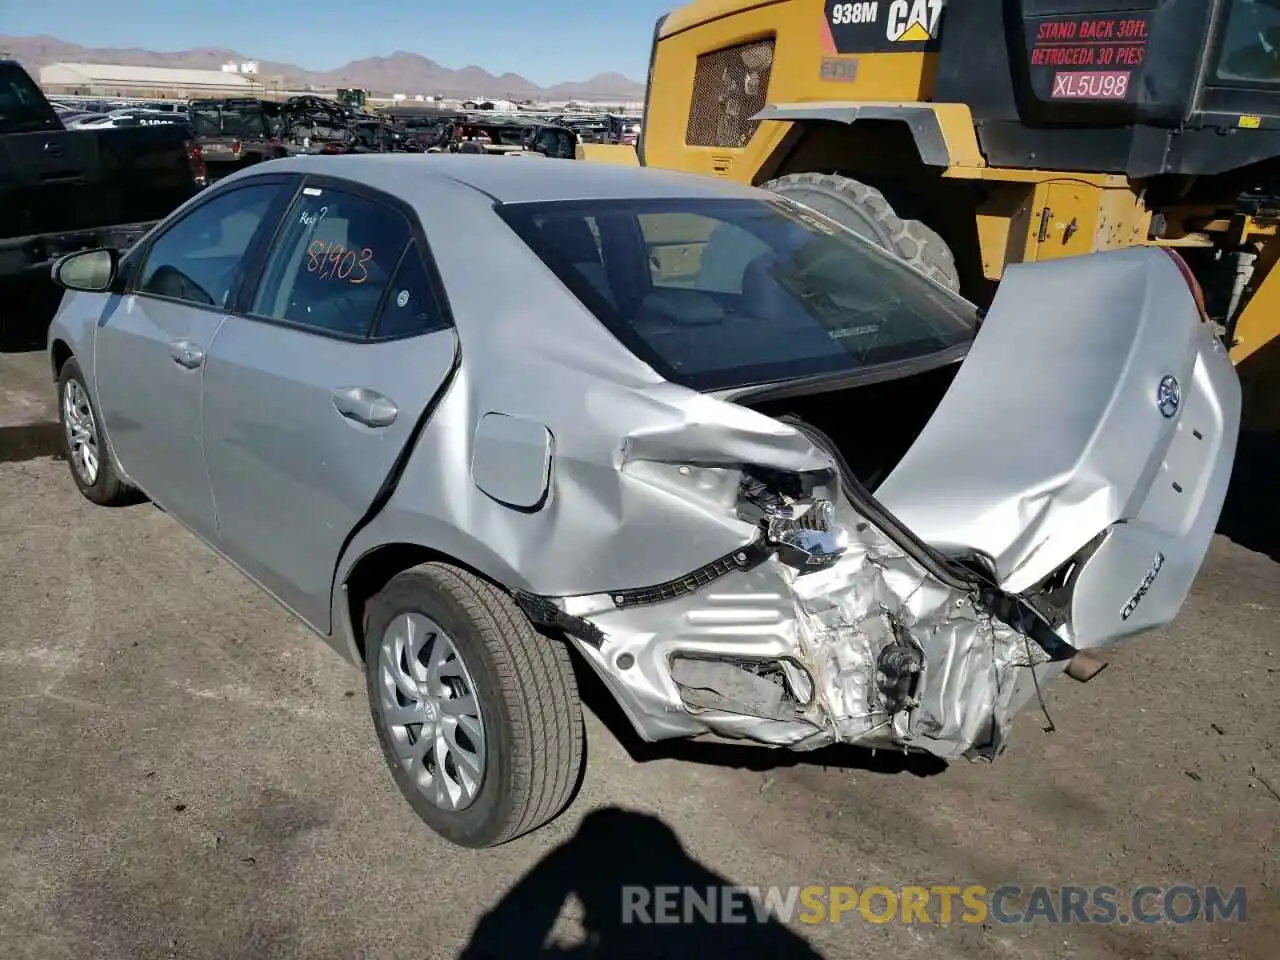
(529, 718)
(82, 427)
(865, 211)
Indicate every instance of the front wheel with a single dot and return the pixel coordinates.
(476, 712)
(84, 444)
(865, 211)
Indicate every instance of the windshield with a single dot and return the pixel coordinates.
(22, 105)
(717, 293)
(1250, 49)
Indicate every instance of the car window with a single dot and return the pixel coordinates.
(332, 261)
(199, 258)
(22, 105)
(722, 292)
(410, 308)
(1250, 49)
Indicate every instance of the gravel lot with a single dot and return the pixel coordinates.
(186, 772)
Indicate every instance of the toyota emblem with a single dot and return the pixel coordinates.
(1168, 396)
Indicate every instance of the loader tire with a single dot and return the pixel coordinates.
(865, 211)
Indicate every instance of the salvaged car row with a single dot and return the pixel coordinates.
(232, 133)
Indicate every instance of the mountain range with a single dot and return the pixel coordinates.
(402, 72)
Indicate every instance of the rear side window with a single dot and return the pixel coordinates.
(410, 307)
(332, 262)
(717, 293)
(199, 259)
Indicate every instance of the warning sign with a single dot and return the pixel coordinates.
(882, 26)
(1087, 58)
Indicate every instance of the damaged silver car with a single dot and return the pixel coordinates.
(462, 416)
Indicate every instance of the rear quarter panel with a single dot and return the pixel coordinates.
(529, 349)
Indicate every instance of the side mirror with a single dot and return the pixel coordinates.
(88, 271)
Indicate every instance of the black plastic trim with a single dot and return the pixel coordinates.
(744, 558)
(544, 613)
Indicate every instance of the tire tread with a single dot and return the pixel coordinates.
(536, 683)
(911, 240)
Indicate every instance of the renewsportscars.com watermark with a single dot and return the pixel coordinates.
(972, 904)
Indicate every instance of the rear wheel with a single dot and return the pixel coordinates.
(865, 211)
(476, 712)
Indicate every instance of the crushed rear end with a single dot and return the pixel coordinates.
(1059, 494)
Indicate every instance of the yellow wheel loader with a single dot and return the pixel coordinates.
(972, 134)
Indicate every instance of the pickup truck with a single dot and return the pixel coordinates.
(65, 190)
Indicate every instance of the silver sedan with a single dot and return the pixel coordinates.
(467, 417)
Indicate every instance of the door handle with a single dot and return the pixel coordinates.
(186, 354)
(364, 406)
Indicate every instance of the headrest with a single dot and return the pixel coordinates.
(571, 238)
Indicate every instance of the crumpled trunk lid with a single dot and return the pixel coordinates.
(1052, 433)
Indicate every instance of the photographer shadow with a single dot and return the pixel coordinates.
(613, 865)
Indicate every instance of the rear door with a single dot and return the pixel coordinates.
(313, 393)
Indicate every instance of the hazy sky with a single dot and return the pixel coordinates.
(546, 41)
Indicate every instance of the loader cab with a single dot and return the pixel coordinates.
(1141, 87)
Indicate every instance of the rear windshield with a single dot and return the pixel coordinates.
(1250, 47)
(717, 293)
(216, 121)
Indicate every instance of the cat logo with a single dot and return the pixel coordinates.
(914, 21)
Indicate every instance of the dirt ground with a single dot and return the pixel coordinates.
(186, 772)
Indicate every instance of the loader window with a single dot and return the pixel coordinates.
(726, 292)
(1250, 47)
(730, 86)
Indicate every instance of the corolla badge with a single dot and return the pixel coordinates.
(1168, 395)
(1156, 566)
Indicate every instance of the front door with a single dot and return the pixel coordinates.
(313, 394)
(149, 353)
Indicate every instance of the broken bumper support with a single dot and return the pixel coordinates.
(868, 650)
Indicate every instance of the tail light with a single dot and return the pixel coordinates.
(1192, 283)
(195, 162)
(235, 148)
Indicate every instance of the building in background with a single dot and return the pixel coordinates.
(119, 80)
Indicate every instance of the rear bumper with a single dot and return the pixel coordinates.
(36, 253)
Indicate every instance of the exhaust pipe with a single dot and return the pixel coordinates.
(1084, 666)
